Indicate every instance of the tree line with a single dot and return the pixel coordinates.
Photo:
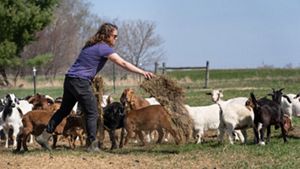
(49, 34)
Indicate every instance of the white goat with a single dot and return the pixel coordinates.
(234, 116)
(204, 118)
(295, 110)
(287, 106)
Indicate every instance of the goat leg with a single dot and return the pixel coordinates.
(19, 142)
(112, 139)
(256, 138)
(160, 135)
(268, 133)
(54, 141)
(283, 132)
(122, 137)
(262, 135)
(141, 136)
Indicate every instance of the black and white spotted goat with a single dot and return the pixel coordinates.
(11, 116)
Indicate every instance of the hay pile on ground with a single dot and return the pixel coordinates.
(171, 97)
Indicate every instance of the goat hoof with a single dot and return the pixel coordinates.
(113, 147)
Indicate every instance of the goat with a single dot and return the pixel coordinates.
(34, 122)
(12, 115)
(295, 104)
(40, 101)
(153, 117)
(133, 102)
(235, 117)
(204, 118)
(73, 129)
(268, 112)
(114, 119)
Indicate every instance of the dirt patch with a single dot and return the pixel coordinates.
(103, 160)
(79, 159)
(131, 156)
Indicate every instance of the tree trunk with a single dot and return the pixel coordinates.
(3, 74)
(16, 76)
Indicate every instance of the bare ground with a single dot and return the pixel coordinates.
(132, 156)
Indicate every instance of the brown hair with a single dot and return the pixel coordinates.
(103, 33)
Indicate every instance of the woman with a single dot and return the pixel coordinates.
(77, 85)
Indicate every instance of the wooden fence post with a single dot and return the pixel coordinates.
(163, 67)
(206, 75)
(98, 87)
(155, 67)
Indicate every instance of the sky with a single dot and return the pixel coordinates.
(227, 33)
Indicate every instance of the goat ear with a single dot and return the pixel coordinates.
(273, 90)
(50, 101)
(209, 93)
(252, 96)
(297, 95)
(17, 101)
(109, 99)
(287, 98)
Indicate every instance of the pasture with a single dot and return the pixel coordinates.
(209, 154)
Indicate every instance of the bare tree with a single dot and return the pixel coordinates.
(64, 36)
(73, 25)
(138, 43)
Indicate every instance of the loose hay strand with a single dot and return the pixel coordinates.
(171, 97)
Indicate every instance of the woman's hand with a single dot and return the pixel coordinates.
(148, 75)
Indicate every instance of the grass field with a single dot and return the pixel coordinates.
(210, 154)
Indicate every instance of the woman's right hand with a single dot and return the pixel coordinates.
(148, 75)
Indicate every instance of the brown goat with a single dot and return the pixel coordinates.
(153, 117)
(34, 122)
(73, 129)
(40, 102)
(131, 101)
(287, 123)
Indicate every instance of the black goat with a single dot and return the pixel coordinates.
(268, 112)
(114, 119)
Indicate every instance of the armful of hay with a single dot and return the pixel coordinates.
(171, 96)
